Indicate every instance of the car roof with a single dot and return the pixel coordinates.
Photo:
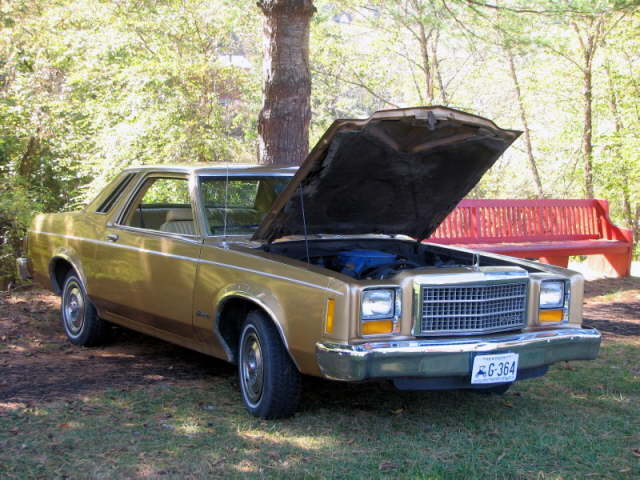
(234, 169)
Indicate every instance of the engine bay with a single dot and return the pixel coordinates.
(373, 264)
(376, 259)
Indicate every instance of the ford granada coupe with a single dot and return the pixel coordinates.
(324, 270)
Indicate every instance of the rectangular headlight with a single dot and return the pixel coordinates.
(378, 303)
(380, 310)
(552, 294)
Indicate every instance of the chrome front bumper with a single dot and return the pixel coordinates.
(23, 267)
(442, 357)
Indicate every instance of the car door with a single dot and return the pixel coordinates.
(148, 261)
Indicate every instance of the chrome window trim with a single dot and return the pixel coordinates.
(223, 174)
(125, 183)
(196, 239)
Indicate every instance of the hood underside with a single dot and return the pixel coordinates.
(398, 172)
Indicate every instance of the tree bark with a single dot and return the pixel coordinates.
(25, 164)
(436, 67)
(426, 64)
(587, 132)
(283, 124)
(631, 216)
(588, 45)
(525, 123)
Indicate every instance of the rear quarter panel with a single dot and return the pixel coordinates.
(67, 236)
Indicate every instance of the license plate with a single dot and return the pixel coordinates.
(498, 368)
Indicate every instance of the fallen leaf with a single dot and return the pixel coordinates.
(398, 411)
(386, 466)
(636, 452)
(624, 470)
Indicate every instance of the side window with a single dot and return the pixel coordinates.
(112, 198)
(162, 204)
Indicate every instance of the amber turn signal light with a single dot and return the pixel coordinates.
(331, 310)
(374, 327)
(550, 316)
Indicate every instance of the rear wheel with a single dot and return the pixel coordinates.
(269, 380)
(79, 316)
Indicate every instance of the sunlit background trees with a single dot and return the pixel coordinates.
(88, 87)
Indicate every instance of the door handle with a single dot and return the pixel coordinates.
(113, 237)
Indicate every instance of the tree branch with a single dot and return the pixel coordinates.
(357, 84)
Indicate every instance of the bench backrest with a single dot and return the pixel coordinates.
(514, 221)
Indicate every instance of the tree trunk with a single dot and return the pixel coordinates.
(525, 123)
(25, 164)
(588, 45)
(283, 124)
(631, 217)
(587, 141)
(436, 66)
(426, 64)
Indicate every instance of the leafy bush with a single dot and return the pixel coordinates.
(16, 209)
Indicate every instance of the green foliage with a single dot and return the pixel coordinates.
(88, 87)
(167, 191)
(16, 207)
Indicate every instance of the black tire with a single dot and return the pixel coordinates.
(269, 380)
(79, 317)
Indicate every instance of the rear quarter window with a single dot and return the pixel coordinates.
(112, 198)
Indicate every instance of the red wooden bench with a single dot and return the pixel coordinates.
(549, 230)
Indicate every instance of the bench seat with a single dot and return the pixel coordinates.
(548, 230)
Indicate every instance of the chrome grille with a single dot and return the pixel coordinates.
(469, 309)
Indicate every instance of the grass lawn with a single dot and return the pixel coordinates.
(582, 420)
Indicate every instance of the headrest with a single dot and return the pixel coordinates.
(179, 214)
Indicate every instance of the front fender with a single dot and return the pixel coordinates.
(257, 295)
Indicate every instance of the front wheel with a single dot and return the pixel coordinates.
(269, 380)
(79, 316)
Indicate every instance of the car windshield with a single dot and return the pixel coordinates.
(237, 208)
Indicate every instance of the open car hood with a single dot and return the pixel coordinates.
(398, 172)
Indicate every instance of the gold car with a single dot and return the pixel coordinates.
(322, 270)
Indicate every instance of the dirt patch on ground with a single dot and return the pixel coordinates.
(624, 288)
(612, 305)
(39, 364)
